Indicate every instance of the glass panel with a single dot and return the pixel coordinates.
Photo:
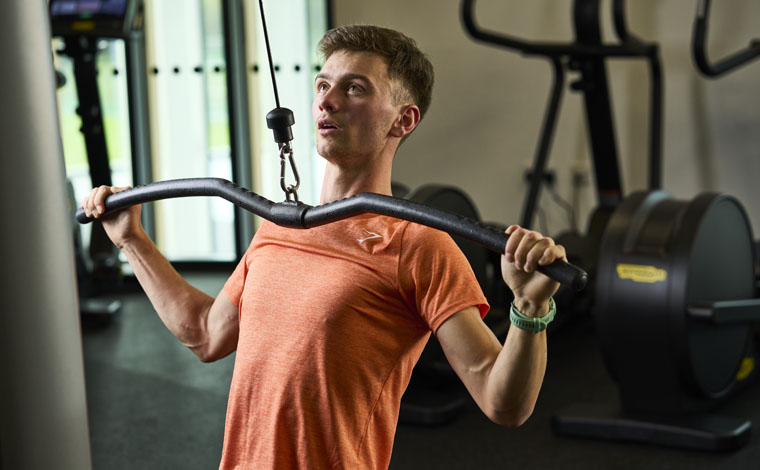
(317, 24)
(191, 125)
(295, 64)
(112, 87)
(190, 118)
(218, 125)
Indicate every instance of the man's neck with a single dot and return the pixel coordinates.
(340, 183)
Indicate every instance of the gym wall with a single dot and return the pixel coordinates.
(488, 104)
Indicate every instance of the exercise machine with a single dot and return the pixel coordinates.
(716, 69)
(82, 25)
(587, 55)
(674, 297)
(727, 64)
(42, 386)
(675, 306)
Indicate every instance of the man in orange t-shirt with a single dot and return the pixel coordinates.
(328, 322)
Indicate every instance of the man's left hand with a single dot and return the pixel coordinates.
(525, 251)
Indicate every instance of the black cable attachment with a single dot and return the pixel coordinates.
(280, 120)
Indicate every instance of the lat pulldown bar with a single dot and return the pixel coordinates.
(299, 215)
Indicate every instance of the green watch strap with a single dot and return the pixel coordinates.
(533, 325)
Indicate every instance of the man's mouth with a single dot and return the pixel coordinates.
(327, 125)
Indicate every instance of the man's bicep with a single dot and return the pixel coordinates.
(223, 326)
(470, 347)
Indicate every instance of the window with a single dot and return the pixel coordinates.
(295, 27)
(112, 90)
(187, 88)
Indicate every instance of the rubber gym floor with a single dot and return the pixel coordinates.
(153, 405)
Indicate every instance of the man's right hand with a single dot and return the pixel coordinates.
(121, 226)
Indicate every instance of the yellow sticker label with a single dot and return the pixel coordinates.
(746, 368)
(83, 25)
(639, 273)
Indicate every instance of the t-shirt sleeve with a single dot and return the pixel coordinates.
(435, 276)
(235, 283)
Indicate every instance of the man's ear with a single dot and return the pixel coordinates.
(409, 117)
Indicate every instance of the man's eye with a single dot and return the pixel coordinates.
(322, 87)
(354, 88)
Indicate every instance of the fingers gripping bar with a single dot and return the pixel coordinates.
(299, 215)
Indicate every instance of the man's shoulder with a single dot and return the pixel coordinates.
(421, 236)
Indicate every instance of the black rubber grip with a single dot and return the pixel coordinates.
(298, 215)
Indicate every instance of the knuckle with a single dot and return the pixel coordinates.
(531, 235)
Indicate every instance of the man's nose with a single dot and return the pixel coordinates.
(327, 101)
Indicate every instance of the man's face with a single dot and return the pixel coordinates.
(353, 107)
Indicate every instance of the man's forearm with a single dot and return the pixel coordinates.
(182, 307)
(516, 377)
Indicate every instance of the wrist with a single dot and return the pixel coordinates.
(132, 241)
(531, 308)
(535, 324)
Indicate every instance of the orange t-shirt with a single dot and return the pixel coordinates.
(332, 321)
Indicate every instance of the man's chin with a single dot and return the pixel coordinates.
(330, 151)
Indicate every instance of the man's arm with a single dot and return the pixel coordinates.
(505, 380)
(208, 326)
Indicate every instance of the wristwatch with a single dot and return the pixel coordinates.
(533, 325)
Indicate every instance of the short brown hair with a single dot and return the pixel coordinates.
(406, 63)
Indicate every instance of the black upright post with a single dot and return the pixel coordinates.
(83, 51)
(139, 118)
(237, 101)
(544, 144)
(593, 84)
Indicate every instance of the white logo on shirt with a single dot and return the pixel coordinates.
(369, 236)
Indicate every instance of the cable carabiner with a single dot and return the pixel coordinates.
(293, 188)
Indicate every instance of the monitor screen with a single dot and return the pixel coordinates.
(85, 9)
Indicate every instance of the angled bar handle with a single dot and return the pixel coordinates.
(299, 215)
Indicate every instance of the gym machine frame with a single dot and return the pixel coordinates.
(587, 55)
(81, 34)
(699, 47)
(43, 409)
(80, 39)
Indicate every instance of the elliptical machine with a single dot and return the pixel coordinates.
(716, 69)
(588, 56)
(674, 280)
(434, 395)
